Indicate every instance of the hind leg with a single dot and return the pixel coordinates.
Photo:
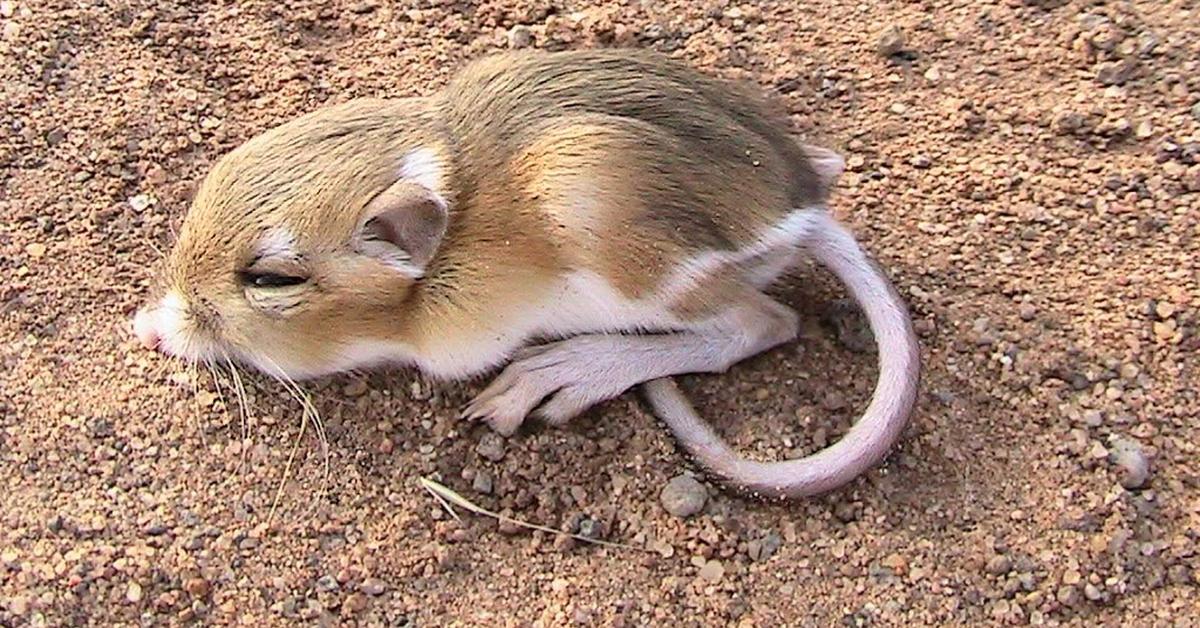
(571, 375)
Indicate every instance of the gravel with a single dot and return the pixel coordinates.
(1026, 172)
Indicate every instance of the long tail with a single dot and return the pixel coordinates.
(869, 440)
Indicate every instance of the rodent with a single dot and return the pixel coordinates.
(618, 204)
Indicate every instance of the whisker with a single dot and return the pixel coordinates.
(309, 412)
(194, 375)
(243, 407)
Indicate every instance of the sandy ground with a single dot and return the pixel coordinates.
(1027, 172)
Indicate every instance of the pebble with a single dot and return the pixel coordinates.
(760, 550)
(1072, 577)
(140, 202)
(1027, 311)
(520, 36)
(482, 483)
(712, 571)
(850, 326)
(933, 75)
(196, 587)
(1092, 592)
(327, 583)
(890, 42)
(355, 603)
(999, 565)
(1129, 458)
(920, 162)
(1115, 72)
(35, 250)
(7, 8)
(133, 593)
(1196, 111)
(683, 496)
(491, 447)
(356, 388)
(373, 586)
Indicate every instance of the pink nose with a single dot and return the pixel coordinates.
(144, 328)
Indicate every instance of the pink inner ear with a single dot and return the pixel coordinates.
(410, 217)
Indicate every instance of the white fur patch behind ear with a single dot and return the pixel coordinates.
(422, 166)
(827, 164)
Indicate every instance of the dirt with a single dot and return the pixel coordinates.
(1027, 172)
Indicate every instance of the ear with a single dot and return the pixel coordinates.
(403, 226)
(827, 164)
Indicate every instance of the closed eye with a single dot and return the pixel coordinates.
(271, 280)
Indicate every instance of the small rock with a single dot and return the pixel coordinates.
(491, 447)
(35, 250)
(1072, 123)
(1027, 311)
(1072, 577)
(482, 483)
(1129, 458)
(1092, 592)
(1068, 596)
(850, 326)
(154, 528)
(327, 583)
(419, 392)
(520, 36)
(890, 42)
(833, 400)
(683, 496)
(1144, 130)
(373, 587)
(7, 8)
(999, 565)
(712, 571)
(933, 75)
(855, 162)
(355, 603)
(920, 162)
(509, 527)
(386, 446)
(589, 528)
(133, 593)
(55, 137)
(1115, 72)
(356, 388)
(764, 548)
(1196, 111)
(196, 587)
(140, 202)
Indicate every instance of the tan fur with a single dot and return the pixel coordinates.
(537, 151)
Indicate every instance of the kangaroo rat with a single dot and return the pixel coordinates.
(618, 204)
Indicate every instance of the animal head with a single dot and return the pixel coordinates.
(302, 244)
